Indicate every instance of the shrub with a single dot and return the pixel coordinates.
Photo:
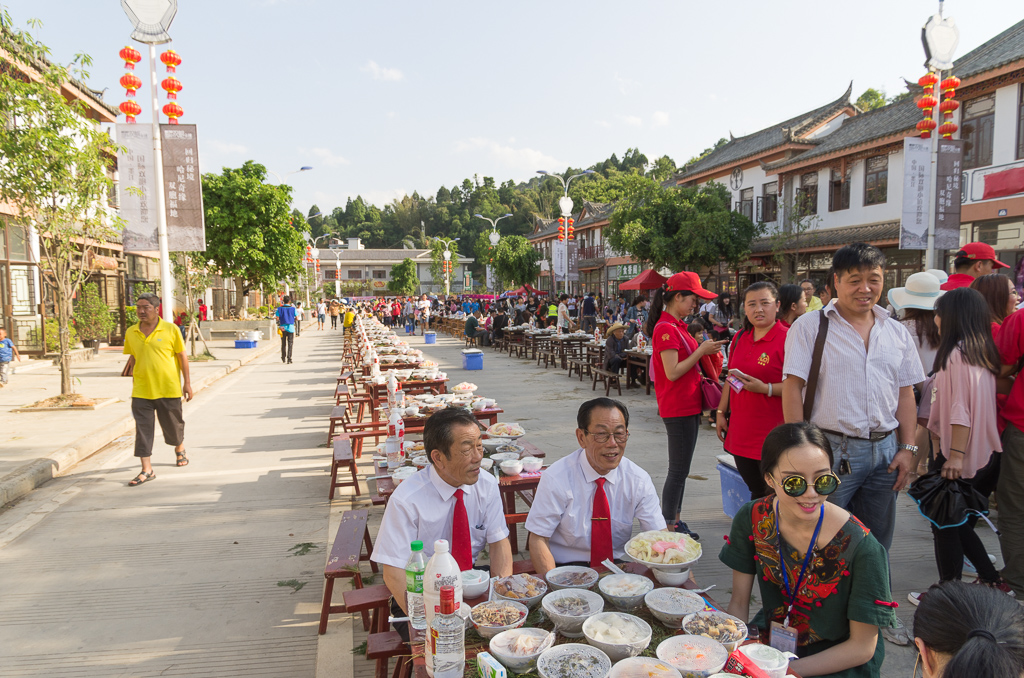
(53, 336)
(92, 315)
(264, 310)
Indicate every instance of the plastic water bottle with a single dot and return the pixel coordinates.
(392, 387)
(442, 570)
(414, 570)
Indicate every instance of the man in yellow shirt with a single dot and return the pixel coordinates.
(156, 364)
(809, 288)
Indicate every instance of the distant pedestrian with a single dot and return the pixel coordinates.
(321, 314)
(334, 309)
(8, 351)
(589, 313)
(792, 304)
(286, 324)
(203, 312)
(809, 288)
(157, 364)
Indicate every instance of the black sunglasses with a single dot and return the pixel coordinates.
(796, 486)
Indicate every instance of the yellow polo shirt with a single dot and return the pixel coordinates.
(814, 304)
(156, 372)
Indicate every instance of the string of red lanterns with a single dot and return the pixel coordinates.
(172, 86)
(927, 104)
(132, 83)
(566, 233)
(948, 105)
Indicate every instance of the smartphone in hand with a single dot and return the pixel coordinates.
(737, 374)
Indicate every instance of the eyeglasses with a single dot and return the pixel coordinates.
(796, 486)
(604, 437)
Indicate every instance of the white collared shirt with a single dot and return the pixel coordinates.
(858, 389)
(421, 508)
(564, 505)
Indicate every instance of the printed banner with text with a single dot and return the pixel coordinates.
(136, 187)
(183, 190)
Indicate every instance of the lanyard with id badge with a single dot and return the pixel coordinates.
(783, 637)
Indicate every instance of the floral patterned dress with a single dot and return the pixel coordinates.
(848, 579)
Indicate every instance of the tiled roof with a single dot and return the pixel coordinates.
(767, 139)
(544, 228)
(1005, 48)
(595, 212)
(828, 237)
(347, 255)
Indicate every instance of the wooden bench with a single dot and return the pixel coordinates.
(343, 458)
(579, 366)
(346, 554)
(373, 599)
(608, 378)
(384, 645)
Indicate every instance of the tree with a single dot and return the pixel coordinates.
(248, 235)
(681, 228)
(54, 170)
(192, 275)
(871, 99)
(437, 248)
(706, 152)
(92, 315)
(403, 278)
(516, 261)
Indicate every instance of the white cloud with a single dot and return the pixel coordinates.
(379, 72)
(603, 123)
(521, 159)
(632, 120)
(227, 148)
(324, 157)
(659, 118)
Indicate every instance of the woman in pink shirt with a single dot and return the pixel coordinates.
(962, 423)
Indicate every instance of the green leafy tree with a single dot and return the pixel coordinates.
(871, 99)
(192, 275)
(403, 278)
(516, 262)
(437, 248)
(681, 228)
(53, 170)
(92, 315)
(248, 234)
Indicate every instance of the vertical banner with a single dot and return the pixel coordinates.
(136, 187)
(916, 185)
(949, 166)
(183, 190)
(558, 256)
(490, 278)
(574, 261)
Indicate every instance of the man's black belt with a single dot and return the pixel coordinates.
(874, 437)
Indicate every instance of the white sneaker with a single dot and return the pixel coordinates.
(915, 597)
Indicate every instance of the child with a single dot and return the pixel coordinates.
(7, 351)
(711, 364)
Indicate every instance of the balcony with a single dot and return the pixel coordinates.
(592, 252)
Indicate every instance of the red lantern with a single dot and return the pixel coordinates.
(928, 80)
(561, 220)
(173, 111)
(925, 127)
(572, 221)
(172, 86)
(130, 82)
(317, 265)
(130, 109)
(948, 129)
(571, 231)
(927, 102)
(949, 105)
(170, 59)
(951, 82)
(131, 57)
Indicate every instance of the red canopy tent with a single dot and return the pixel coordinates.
(648, 280)
(529, 289)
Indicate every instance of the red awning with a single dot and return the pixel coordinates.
(529, 289)
(1002, 184)
(647, 280)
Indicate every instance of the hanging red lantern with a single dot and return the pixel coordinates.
(927, 102)
(572, 221)
(949, 105)
(928, 80)
(951, 82)
(130, 82)
(173, 111)
(948, 129)
(130, 109)
(561, 220)
(131, 57)
(170, 59)
(571, 231)
(317, 265)
(172, 86)
(925, 127)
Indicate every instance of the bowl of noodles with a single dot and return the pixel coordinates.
(669, 555)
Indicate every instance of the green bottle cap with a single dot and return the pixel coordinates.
(416, 545)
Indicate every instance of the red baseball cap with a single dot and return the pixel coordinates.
(688, 281)
(980, 251)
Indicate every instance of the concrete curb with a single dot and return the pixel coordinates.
(34, 474)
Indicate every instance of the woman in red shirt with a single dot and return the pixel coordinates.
(1001, 296)
(677, 381)
(755, 361)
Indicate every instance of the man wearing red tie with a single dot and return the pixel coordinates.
(585, 504)
(450, 499)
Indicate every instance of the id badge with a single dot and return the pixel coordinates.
(783, 638)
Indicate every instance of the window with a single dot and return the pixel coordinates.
(355, 274)
(18, 242)
(330, 274)
(807, 195)
(380, 275)
(977, 130)
(876, 180)
(746, 204)
(768, 207)
(1020, 125)
(839, 191)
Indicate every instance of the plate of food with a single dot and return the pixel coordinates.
(465, 387)
(506, 430)
(662, 550)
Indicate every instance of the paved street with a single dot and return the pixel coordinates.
(192, 574)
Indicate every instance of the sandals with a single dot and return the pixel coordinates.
(141, 478)
(180, 458)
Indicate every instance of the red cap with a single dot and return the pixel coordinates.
(979, 251)
(688, 281)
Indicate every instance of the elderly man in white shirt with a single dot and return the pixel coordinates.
(586, 502)
(450, 499)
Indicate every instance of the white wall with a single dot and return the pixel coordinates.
(1004, 144)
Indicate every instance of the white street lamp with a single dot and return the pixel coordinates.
(304, 168)
(494, 237)
(447, 254)
(565, 207)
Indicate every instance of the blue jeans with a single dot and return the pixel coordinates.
(866, 491)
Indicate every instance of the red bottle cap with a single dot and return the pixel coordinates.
(447, 600)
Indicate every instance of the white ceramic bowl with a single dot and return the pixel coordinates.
(617, 651)
(486, 464)
(627, 603)
(712, 655)
(554, 576)
(570, 625)
(475, 583)
(512, 467)
(531, 602)
(421, 461)
(730, 645)
(532, 464)
(403, 473)
(670, 605)
(519, 663)
(644, 667)
(662, 567)
(492, 444)
(550, 658)
(491, 631)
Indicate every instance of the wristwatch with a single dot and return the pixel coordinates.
(911, 448)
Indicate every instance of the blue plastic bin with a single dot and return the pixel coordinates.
(734, 491)
(429, 337)
(472, 361)
(241, 343)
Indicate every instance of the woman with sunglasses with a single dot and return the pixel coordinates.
(823, 578)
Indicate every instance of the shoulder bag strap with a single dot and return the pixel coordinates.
(812, 376)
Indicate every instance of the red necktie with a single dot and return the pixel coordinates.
(462, 545)
(600, 527)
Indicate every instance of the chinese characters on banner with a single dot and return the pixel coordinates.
(183, 190)
(916, 185)
(136, 188)
(574, 261)
(947, 199)
(558, 260)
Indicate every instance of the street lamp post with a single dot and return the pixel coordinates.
(447, 254)
(565, 207)
(494, 237)
(304, 168)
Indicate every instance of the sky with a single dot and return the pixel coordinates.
(384, 98)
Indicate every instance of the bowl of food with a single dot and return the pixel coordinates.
(617, 634)
(644, 667)
(506, 430)
(718, 626)
(625, 591)
(665, 553)
(670, 605)
(504, 456)
(569, 608)
(475, 583)
(573, 660)
(520, 588)
(495, 616)
(422, 461)
(403, 473)
(464, 387)
(511, 448)
(571, 577)
(512, 467)
(492, 444)
(693, 656)
(486, 463)
(532, 464)
(519, 649)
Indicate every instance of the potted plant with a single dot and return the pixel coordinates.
(92, 317)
